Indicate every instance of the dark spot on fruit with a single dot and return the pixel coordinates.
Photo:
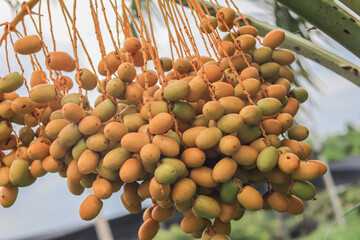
(297, 48)
(351, 19)
(346, 31)
(335, 7)
(288, 157)
(343, 18)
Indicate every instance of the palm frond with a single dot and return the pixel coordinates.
(330, 18)
(304, 47)
(285, 20)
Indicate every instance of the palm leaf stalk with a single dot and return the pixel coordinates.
(284, 19)
(305, 48)
(354, 5)
(309, 50)
(329, 18)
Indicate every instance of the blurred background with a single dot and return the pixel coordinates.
(47, 210)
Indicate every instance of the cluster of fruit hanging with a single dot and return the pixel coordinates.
(196, 134)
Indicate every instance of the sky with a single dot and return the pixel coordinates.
(47, 206)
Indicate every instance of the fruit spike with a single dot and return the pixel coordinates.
(198, 138)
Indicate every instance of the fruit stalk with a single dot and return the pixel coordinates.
(329, 18)
(18, 18)
(304, 47)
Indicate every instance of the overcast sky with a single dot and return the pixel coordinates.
(47, 206)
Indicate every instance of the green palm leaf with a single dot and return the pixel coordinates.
(304, 47)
